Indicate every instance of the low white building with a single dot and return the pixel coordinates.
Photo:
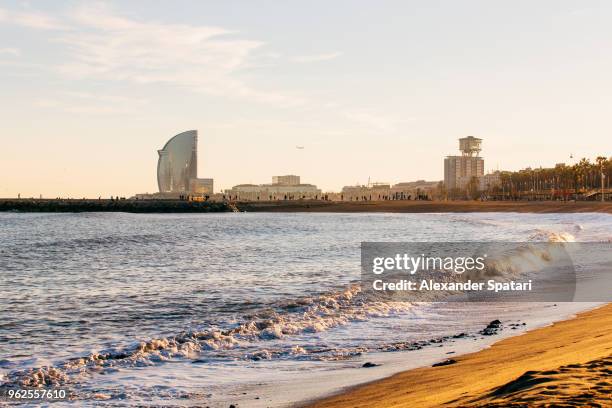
(489, 181)
(373, 192)
(414, 190)
(282, 188)
(288, 180)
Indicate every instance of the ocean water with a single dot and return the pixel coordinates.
(211, 309)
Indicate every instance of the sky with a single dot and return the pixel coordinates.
(379, 90)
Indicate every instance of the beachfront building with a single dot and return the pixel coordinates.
(201, 186)
(177, 167)
(178, 162)
(371, 192)
(490, 181)
(282, 188)
(459, 171)
(414, 190)
(288, 180)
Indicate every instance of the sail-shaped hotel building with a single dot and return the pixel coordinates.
(177, 167)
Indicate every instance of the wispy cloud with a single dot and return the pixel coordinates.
(316, 58)
(30, 19)
(104, 46)
(92, 104)
(10, 51)
(199, 58)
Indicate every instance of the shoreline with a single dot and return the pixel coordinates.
(428, 206)
(567, 362)
(300, 206)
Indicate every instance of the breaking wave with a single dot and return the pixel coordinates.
(305, 315)
(541, 235)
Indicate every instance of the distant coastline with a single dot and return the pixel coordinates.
(415, 206)
(398, 206)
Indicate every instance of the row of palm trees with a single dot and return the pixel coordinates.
(559, 182)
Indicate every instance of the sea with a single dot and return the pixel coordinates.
(249, 309)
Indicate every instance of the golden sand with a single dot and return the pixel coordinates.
(566, 364)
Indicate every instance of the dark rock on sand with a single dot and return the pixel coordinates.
(445, 363)
(369, 364)
(492, 328)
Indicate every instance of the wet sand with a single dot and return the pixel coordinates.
(428, 206)
(566, 364)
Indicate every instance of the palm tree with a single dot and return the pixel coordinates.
(601, 161)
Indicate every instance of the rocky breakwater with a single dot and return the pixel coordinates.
(131, 206)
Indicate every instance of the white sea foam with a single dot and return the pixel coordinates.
(543, 235)
(317, 314)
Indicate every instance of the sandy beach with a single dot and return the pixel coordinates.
(407, 206)
(566, 364)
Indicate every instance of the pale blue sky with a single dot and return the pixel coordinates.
(380, 89)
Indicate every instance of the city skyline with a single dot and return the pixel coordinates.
(380, 91)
